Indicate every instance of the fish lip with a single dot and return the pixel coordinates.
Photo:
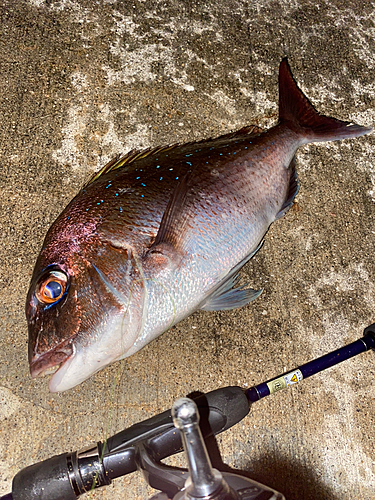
(50, 361)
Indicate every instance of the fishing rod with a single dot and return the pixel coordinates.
(143, 445)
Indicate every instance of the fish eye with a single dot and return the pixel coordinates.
(51, 287)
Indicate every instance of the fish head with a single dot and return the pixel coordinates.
(84, 310)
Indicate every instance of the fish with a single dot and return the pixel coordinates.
(158, 234)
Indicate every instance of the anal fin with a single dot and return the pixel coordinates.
(226, 297)
(292, 192)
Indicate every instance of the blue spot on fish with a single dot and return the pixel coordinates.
(161, 178)
(188, 162)
(143, 184)
(190, 154)
(157, 166)
(138, 178)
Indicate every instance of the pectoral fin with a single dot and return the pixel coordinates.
(173, 221)
(167, 250)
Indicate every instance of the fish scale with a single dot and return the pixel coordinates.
(211, 253)
(157, 234)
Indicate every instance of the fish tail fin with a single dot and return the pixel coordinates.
(299, 114)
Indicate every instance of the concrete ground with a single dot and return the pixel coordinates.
(83, 80)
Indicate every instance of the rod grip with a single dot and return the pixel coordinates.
(44, 481)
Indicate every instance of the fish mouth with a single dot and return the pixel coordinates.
(51, 361)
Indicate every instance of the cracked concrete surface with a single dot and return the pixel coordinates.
(83, 80)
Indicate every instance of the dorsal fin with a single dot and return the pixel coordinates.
(250, 130)
(131, 156)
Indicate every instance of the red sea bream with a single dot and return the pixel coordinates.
(158, 234)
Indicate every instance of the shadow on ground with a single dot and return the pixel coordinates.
(291, 478)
